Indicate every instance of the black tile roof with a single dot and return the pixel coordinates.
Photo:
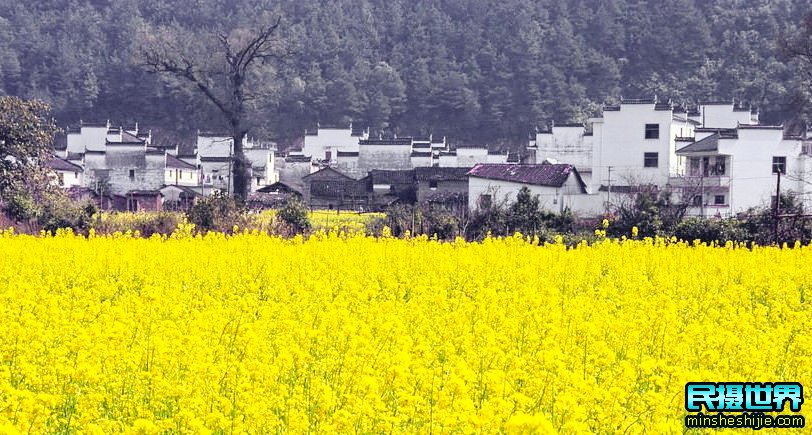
(553, 175)
(58, 164)
(393, 141)
(705, 145)
(436, 173)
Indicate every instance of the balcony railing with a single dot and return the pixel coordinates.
(697, 181)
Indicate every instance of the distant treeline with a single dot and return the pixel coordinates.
(474, 70)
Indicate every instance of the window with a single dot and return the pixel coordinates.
(652, 131)
(779, 165)
(694, 166)
(650, 160)
(432, 185)
(328, 155)
(132, 174)
(719, 200)
(259, 180)
(719, 168)
(697, 201)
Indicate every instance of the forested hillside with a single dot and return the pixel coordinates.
(475, 70)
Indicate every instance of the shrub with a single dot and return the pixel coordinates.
(294, 217)
(712, 229)
(218, 212)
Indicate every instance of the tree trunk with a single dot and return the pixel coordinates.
(240, 170)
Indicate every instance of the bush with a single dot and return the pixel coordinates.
(218, 212)
(50, 210)
(21, 207)
(294, 217)
(440, 222)
(712, 229)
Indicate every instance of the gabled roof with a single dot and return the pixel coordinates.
(436, 173)
(708, 144)
(552, 175)
(174, 162)
(126, 138)
(185, 191)
(58, 164)
(327, 173)
(278, 187)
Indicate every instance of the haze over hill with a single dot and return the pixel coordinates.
(475, 70)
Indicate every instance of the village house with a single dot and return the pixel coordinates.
(66, 174)
(324, 142)
(293, 167)
(215, 154)
(272, 196)
(329, 189)
(447, 187)
(730, 170)
(559, 186)
(388, 187)
(636, 143)
(353, 152)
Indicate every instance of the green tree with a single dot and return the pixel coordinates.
(26, 134)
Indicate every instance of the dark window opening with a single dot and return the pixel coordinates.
(697, 200)
(652, 131)
(719, 200)
(650, 160)
(132, 174)
(779, 165)
(432, 184)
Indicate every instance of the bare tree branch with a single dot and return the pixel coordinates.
(227, 88)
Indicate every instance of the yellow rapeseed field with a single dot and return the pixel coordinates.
(252, 333)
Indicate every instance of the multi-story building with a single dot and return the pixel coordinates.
(638, 142)
(729, 170)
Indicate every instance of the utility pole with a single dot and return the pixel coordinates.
(702, 192)
(609, 188)
(777, 207)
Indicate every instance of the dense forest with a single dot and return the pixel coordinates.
(474, 70)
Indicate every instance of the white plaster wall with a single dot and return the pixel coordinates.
(448, 161)
(552, 199)
(329, 139)
(619, 141)
(752, 183)
(390, 157)
(722, 116)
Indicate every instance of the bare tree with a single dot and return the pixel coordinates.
(227, 69)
